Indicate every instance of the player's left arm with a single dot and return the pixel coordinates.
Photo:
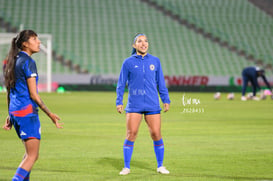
(162, 89)
(123, 77)
(31, 82)
(166, 107)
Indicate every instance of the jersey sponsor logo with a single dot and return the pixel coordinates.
(138, 92)
(152, 67)
(136, 66)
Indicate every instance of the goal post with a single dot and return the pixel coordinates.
(43, 59)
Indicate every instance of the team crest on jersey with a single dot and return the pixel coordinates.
(152, 67)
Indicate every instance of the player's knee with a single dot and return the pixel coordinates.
(32, 157)
(155, 135)
(37, 157)
(131, 134)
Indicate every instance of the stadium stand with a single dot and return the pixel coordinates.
(2, 30)
(265, 5)
(240, 23)
(96, 36)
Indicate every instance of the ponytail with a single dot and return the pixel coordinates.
(133, 51)
(16, 47)
(9, 72)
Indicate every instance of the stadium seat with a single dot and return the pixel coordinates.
(238, 22)
(97, 35)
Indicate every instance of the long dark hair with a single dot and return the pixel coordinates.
(16, 47)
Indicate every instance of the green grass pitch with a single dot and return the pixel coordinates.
(205, 139)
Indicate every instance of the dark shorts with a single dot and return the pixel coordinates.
(27, 127)
(146, 112)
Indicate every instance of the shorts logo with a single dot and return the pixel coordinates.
(23, 133)
(152, 67)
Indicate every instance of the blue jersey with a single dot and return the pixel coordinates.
(21, 105)
(145, 80)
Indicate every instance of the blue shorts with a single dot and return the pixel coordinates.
(146, 112)
(27, 127)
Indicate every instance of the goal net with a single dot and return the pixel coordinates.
(43, 59)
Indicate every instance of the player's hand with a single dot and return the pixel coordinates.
(55, 119)
(8, 124)
(166, 107)
(120, 108)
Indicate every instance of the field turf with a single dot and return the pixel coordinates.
(205, 139)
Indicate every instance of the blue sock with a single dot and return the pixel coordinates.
(20, 174)
(159, 152)
(127, 152)
(27, 177)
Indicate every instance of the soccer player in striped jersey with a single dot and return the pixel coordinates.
(143, 73)
(21, 78)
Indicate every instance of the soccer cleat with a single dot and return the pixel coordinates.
(124, 171)
(162, 170)
(243, 98)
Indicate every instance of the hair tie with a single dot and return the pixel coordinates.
(17, 38)
(141, 34)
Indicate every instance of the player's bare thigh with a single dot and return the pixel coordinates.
(154, 123)
(133, 121)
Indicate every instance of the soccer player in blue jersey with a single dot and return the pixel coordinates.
(144, 76)
(21, 78)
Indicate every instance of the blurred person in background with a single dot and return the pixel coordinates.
(143, 73)
(251, 74)
(5, 61)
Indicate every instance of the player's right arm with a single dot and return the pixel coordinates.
(266, 82)
(123, 77)
(120, 108)
(8, 124)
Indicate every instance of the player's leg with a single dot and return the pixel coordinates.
(32, 151)
(245, 82)
(255, 86)
(32, 147)
(28, 175)
(133, 121)
(154, 123)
